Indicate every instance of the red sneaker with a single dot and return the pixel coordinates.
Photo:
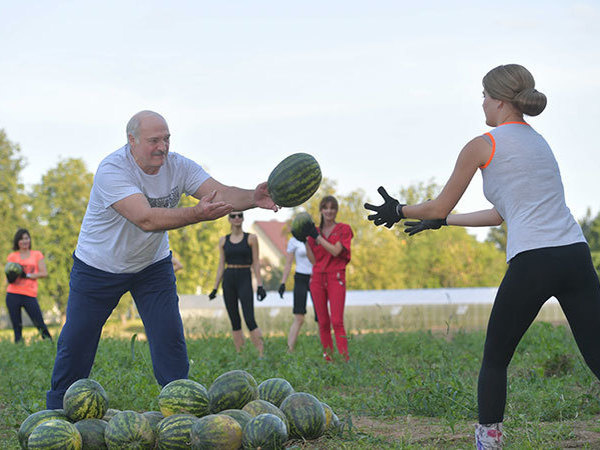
(327, 357)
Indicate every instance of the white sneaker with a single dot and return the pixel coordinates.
(488, 436)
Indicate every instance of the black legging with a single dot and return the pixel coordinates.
(534, 276)
(14, 303)
(237, 284)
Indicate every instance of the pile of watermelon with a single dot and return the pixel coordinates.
(235, 412)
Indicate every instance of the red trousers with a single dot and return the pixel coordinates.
(324, 287)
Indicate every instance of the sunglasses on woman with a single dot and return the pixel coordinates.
(236, 216)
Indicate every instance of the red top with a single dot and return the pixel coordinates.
(25, 286)
(325, 261)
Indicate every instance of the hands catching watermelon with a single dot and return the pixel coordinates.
(262, 198)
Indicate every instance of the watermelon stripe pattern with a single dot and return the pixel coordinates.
(216, 432)
(305, 414)
(242, 417)
(92, 433)
(183, 397)
(173, 432)
(265, 431)
(85, 399)
(56, 434)
(35, 419)
(129, 429)
(294, 180)
(275, 390)
(258, 407)
(232, 390)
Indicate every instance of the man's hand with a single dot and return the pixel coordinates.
(208, 209)
(212, 294)
(261, 293)
(387, 214)
(262, 198)
(281, 289)
(421, 225)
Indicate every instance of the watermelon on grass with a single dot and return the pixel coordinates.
(216, 432)
(183, 397)
(275, 390)
(305, 414)
(328, 415)
(154, 417)
(92, 433)
(129, 429)
(294, 180)
(110, 413)
(258, 407)
(55, 434)
(232, 390)
(85, 399)
(173, 432)
(265, 431)
(242, 417)
(33, 420)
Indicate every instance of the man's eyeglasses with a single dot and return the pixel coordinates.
(236, 216)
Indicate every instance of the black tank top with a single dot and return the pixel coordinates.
(240, 253)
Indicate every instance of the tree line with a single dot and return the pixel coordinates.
(52, 210)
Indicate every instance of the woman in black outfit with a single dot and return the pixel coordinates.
(238, 253)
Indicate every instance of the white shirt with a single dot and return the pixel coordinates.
(523, 183)
(298, 248)
(110, 242)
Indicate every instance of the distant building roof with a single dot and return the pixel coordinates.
(274, 234)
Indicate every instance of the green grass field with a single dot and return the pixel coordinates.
(410, 389)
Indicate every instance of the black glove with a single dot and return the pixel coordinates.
(261, 293)
(310, 230)
(428, 224)
(281, 289)
(12, 274)
(387, 214)
(23, 274)
(212, 294)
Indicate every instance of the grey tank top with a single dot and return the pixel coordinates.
(522, 181)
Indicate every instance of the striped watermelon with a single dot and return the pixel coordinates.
(34, 420)
(242, 417)
(294, 180)
(274, 390)
(232, 390)
(92, 433)
(183, 397)
(154, 417)
(216, 432)
(305, 415)
(85, 399)
(328, 415)
(265, 431)
(173, 432)
(298, 224)
(56, 434)
(258, 407)
(129, 429)
(110, 413)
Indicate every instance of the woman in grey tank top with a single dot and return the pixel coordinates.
(547, 253)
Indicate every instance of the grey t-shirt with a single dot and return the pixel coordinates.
(110, 242)
(522, 181)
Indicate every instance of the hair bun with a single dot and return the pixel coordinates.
(530, 102)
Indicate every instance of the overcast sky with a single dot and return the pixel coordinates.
(380, 92)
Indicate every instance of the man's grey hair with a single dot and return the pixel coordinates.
(133, 126)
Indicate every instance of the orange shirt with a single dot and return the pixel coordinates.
(25, 286)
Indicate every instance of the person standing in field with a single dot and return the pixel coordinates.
(546, 251)
(123, 246)
(22, 292)
(328, 249)
(238, 253)
(297, 250)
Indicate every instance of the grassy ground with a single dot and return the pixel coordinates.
(405, 390)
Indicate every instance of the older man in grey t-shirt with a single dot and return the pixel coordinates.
(123, 246)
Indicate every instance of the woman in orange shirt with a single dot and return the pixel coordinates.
(22, 292)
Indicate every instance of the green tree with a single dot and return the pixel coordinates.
(12, 194)
(57, 209)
